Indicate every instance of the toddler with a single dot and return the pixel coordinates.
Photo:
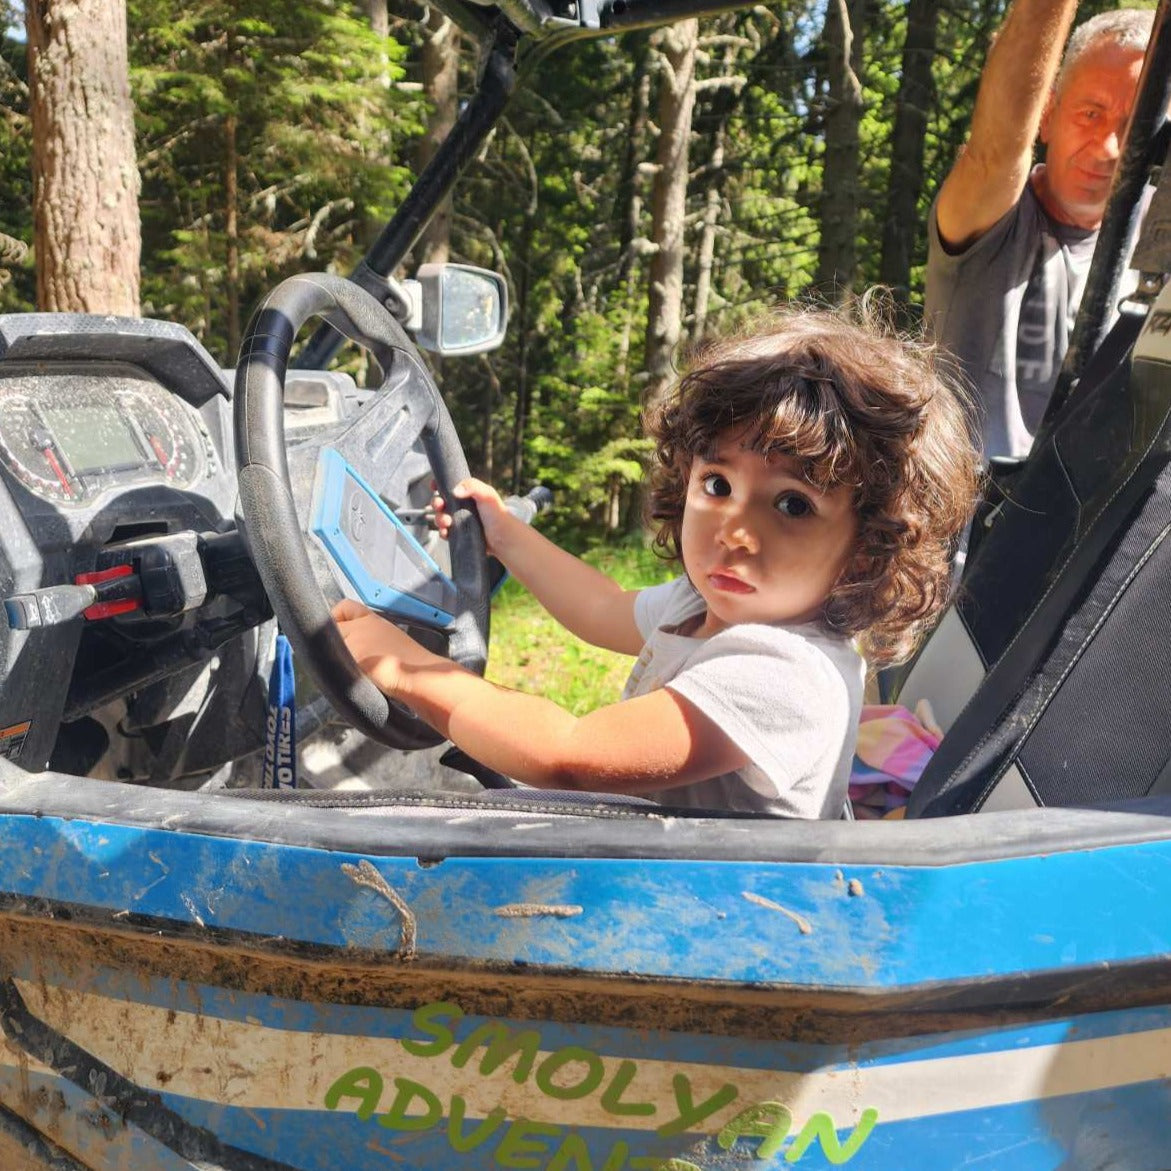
(811, 477)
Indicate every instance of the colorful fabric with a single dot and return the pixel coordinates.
(894, 747)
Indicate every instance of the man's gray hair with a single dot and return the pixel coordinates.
(1128, 28)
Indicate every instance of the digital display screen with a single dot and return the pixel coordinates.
(93, 438)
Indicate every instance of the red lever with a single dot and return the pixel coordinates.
(114, 605)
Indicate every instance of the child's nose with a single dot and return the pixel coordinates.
(737, 533)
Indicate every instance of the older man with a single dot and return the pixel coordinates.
(1010, 243)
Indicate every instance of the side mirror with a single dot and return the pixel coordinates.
(457, 309)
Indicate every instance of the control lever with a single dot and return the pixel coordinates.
(51, 606)
(163, 577)
(91, 596)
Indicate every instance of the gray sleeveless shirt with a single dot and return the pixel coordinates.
(1004, 308)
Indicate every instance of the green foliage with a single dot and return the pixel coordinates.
(17, 278)
(301, 103)
(318, 120)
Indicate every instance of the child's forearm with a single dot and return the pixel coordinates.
(583, 599)
(640, 745)
(520, 735)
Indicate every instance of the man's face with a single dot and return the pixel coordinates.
(1082, 130)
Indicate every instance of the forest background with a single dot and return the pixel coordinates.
(178, 159)
(640, 192)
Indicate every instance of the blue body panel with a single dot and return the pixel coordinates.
(428, 1083)
(784, 923)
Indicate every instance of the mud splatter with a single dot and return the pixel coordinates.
(535, 910)
(803, 924)
(364, 874)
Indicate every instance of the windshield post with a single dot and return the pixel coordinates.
(438, 177)
(1144, 142)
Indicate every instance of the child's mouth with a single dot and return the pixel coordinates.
(728, 584)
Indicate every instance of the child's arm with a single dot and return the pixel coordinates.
(583, 599)
(654, 742)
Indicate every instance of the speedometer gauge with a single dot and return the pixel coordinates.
(68, 438)
(167, 434)
(30, 451)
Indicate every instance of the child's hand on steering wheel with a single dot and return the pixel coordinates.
(493, 514)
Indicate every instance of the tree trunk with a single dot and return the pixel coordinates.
(379, 14)
(493, 392)
(713, 197)
(520, 421)
(669, 202)
(231, 238)
(628, 203)
(440, 84)
(916, 92)
(614, 505)
(85, 177)
(837, 257)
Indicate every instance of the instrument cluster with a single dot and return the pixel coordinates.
(69, 437)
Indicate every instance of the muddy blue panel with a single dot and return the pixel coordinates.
(1060, 1135)
(1119, 1126)
(732, 921)
(340, 1020)
(428, 1085)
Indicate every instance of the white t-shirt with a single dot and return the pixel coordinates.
(788, 696)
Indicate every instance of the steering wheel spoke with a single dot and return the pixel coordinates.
(400, 415)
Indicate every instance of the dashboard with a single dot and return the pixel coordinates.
(117, 467)
(68, 438)
(118, 476)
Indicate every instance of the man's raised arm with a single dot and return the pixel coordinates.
(991, 171)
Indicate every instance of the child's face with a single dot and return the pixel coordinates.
(760, 543)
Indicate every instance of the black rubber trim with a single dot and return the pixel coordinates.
(434, 826)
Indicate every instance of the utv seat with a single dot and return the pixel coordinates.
(1051, 673)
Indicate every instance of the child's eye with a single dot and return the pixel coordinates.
(793, 504)
(716, 485)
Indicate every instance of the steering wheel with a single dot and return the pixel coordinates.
(312, 518)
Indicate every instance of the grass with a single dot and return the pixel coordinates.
(531, 652)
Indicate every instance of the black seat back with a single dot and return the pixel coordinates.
(1067, 601)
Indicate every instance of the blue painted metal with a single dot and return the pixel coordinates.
(1001, 1095)
(1016, 1138)
(651, 917)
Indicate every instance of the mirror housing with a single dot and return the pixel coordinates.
(456, 309)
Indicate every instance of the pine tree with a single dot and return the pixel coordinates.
(265, 137)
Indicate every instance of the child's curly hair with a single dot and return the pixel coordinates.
(856, 403)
